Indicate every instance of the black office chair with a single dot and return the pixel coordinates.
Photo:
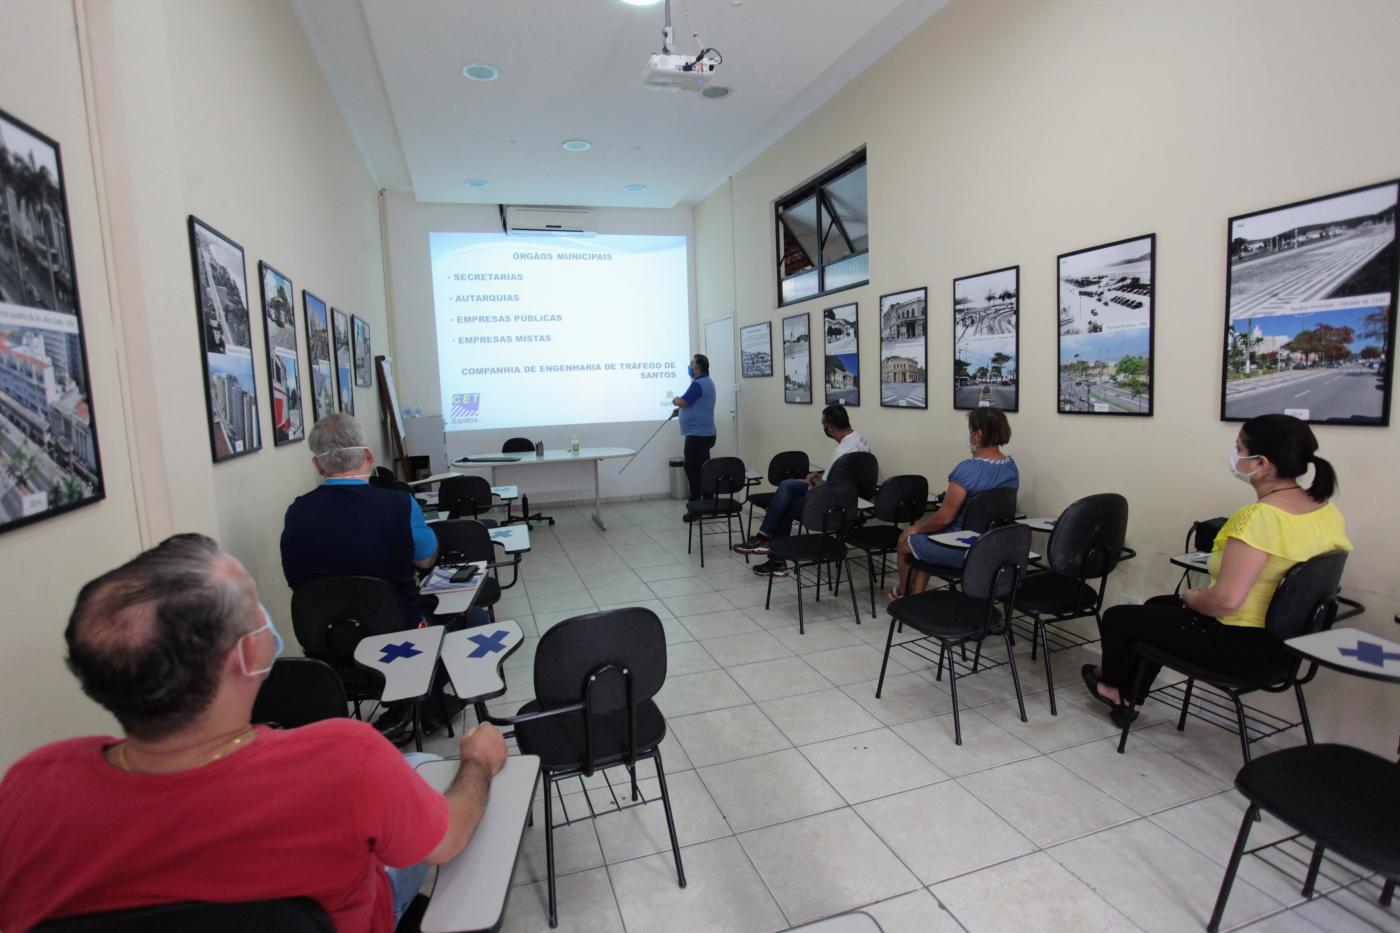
(1305, 602)
(995, 565)
(790, 464)
(465, 540)
(467, 497)
(595, 679)
(298, 692)
(1087, 544)
(523, 445)
(288, 915)
(860, 468)
(1200, 537)
(828, 513)
(980, 513)
(720, 479)
(1342, 798)
(899, 502)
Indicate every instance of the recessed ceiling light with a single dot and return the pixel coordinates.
(634, 189)
(641, 2)
(479, 72)
(715, 91)
(577, 145)
(476, 183)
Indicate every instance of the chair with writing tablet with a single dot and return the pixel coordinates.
(467, 497)
(899, 502)
(298, 692)
(720, 479)
(523, 445)
(790, 464)
(464, 540)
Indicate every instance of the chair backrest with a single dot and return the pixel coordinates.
(1201, 536)
(288, 915)
(463, 539)
(464, 495)
(859, 468)
(299, 691)
(331, 614)
(1306, 599)
(518, 445)
(902, 499)
(570, 652)
(1088, 537)
(988, 509)
(389, 482)
(830, 509)
(790, 464)
(996, 562)
(722, 476)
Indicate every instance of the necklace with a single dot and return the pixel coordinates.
(1280, 489)
(224, 749)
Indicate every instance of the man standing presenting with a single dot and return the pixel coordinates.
(697, 412)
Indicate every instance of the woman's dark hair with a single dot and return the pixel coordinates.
(992, 425)
(1291, 448)
(835, 415)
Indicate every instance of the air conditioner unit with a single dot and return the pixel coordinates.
(572, 220)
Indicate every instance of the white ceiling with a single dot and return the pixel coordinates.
(573, 69)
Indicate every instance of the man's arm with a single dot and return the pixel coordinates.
(425, 543)
(689, 398)
(483, 752)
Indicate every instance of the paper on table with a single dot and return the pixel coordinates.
(441, 579)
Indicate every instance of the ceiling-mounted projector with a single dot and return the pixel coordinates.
(668, 70)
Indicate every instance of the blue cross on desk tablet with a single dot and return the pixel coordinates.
(1368, 652)
(487, 644)
(967, 540)
(404, 649)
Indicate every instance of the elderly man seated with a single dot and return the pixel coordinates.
(195, 804)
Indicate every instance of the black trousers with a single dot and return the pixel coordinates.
(697, 451)
(1165, 623)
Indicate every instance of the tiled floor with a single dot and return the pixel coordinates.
(798, 795)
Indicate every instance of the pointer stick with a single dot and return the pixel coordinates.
(643, 447)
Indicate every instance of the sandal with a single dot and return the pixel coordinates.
(893, 594)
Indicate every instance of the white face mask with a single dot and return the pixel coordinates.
(348, 475)
(1234, 465)
(276, 650)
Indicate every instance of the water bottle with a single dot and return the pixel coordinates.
(573, 444)
(539, 448)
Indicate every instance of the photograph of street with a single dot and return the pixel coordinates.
(797, 360)
(904, 349)
(318, 350)
(277, 309)
(280, 325)
(756, 350)
(48, 442)
(360, 331)
(986, 340)
(841, 344)
(1311, 309)
(344, 365)
(231, 392)
(1105, 328)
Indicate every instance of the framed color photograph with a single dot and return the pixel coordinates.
(48, 433)
(756, 350)
(359, 332)
(1310, 309)
(987, 340)
(1105, 334)
(904, 349)
(283, 367)
(841, 343)
(318, 351)
(797, 359)
(226, 337)
(344, 365)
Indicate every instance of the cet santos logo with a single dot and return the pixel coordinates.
(465, 408)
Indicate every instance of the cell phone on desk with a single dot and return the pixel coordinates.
(466, 574)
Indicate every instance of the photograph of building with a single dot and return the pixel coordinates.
(318, 349)
(841, 345)
(797, 360)
(1105, 328)
(360, 332)
(344, 365)
(985, 340)
(756, 350)
(904, 349)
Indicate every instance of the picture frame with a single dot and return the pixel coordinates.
(344, 365)
(283, 360)
(756, 350)
(51, 462)
(797, 359)
(904, 349)
(318, 355)
(987, 340)
(364, 359)
(1310, 306)
(1104, 345)
(225, 319)
(841, 354)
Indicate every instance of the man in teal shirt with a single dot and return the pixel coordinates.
(697, 413)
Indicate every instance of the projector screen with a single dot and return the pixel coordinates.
(547, 329)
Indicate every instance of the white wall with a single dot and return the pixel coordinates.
(1006, 132)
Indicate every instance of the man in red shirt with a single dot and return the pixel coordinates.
(197, 805)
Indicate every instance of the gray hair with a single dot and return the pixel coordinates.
(338, 443)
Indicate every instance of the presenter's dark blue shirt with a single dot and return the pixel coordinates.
(346, 527)
(698, 415)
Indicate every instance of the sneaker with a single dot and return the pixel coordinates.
(689, 517)
(771, 568)
(752, 546)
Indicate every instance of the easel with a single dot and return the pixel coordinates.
(392, 416)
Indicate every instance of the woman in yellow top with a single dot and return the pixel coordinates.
(1222, 625)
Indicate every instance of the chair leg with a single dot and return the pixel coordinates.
(690, 534)
(632, 773)
(417, 725)
(953, 686)
(889, 642)
(702, 541)
(1243, 724)
(729, 530)
(1388, 892)
(819, 581)
(768, 599)
(446, 716)
(1036, 627)
(1231, 869)
(1314, 865)
(670, 821)
(851, 586)
(1015, 675)
(1185, 704)
(870, 566)
(797, 575)
(549, 849)
(942, 653)
(1044, 631)
(1303, 712)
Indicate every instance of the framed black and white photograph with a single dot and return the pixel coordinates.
(756, 350)
(344, 365)
(987, 340)
(359, 332)
(797, 359)
(1310, 309)
(318, 353)
(226, 338)
(1105, 332)
(904, 349)
(49, 460)
(283, 368)
(841, 346)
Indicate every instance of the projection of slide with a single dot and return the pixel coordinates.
(558, 330)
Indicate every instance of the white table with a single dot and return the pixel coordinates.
(1193, 560)
(471, 889)
(964, 540)
(1351, 651)
(457, 597)
(594, 455)
(406, 659)
(514, 539)
(473, 659)
(1038, 524)
(506, 494)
